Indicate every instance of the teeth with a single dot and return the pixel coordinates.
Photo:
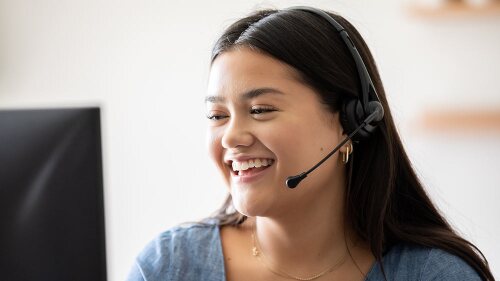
(245, 165)
(236, 166)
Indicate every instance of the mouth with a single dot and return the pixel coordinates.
(248, 172)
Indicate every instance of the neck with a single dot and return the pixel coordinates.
(307, 239)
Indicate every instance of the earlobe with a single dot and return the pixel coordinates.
(347, 147)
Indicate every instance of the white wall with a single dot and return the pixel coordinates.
(146, 64)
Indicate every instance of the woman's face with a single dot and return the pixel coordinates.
(260, 114)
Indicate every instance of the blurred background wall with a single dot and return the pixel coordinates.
(146, 64)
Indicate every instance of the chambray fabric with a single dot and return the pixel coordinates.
(194, 252)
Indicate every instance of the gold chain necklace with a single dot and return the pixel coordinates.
(259, 254)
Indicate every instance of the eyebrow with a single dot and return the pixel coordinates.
(253, 93)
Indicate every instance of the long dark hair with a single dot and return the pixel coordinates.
(385, 201)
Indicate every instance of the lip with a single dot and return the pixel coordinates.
(250, 178)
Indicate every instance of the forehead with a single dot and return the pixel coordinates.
(241, 69)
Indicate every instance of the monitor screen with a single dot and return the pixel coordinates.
(51, 195)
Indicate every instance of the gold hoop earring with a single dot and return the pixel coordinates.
(345, 156)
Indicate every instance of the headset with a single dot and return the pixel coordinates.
(355, 110)
(356, 114)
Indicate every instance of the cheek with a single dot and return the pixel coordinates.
(216, 153)
(284, 143)
(299, 145)
(213, 142)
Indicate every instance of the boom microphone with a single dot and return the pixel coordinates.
(375, 116)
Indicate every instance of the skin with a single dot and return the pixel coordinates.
(301, 230)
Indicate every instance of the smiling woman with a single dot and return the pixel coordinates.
(285, 87)
(288, 117)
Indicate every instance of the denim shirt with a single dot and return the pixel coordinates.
(194, 253)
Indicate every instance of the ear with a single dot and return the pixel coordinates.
(334, 120)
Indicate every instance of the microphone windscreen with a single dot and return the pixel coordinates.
(293, 181)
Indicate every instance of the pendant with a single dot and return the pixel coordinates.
(255, 252)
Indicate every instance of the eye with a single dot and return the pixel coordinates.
(216, 115)
(261, 109)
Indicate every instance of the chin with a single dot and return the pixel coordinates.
(249, 208)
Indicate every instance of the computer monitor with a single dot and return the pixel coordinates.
(51, 195)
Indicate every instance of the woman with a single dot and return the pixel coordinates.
(285, 88)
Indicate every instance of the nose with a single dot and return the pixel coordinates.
(237, 133)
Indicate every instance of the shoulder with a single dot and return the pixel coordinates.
(412, 262)
(180, 242)
(180, 253)
(442, 265)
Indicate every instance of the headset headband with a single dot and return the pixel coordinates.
(367, 86)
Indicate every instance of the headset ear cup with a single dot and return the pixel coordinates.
(348, 116)
(352, 116)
